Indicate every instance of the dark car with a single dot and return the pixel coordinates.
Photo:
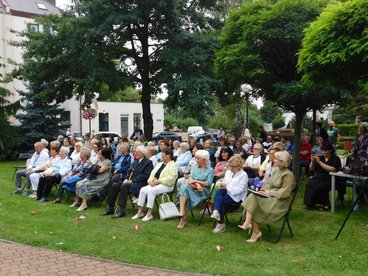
(165, 134)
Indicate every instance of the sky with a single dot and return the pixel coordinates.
(62, 3)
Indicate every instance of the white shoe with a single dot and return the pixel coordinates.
(220, 227)
(135, 200)
(137, 216)
(215, 215)
(147, 218)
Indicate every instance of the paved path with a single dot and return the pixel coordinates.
(20, 259)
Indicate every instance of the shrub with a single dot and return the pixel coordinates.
(347, 129)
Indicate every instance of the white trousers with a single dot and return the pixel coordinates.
(35, 177)
(150, 193)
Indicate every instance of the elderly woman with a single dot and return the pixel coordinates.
(58, 172)
(176, 149)
(183, 158)
(87, 187)
(319, 186)
(75, 155)
(95, 149)
(253, 162)
(161, 180)
(197, 187)
(232, 191)
(275, 201)
(77, 173)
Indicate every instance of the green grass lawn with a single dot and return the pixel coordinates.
(312, 251)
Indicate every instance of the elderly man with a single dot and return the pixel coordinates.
(137, 178)
(39, 159)
(333, 134)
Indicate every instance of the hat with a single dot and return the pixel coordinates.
(258, 146)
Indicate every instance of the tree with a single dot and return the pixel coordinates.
(335, 47)
(119, 43)
(39, 118)
(7, 133)
(259, 46)
(271, 113)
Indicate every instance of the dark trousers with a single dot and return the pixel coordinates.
(45, 185)
(126, 189)
(222, 201)
(305, 164)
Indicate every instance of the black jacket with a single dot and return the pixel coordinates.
(139, 172)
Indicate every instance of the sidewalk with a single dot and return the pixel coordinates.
(20, 259)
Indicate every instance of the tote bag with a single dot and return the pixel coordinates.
(167, 210)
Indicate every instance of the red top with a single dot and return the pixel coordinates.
(306, 147)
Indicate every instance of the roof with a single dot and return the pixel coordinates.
(33, 7)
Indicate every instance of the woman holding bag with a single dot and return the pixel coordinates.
(161, 180)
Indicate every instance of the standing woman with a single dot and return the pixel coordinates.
(86, 187)
(319, 186)
(197, 187)
(273, 206)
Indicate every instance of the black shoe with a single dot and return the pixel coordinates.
(108, 212)
(118, 215)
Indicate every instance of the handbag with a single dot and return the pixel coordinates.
(167, 210)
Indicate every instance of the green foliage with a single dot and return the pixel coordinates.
(335, 47)
(171, 121)
(348, 129)
(39, 118)
(271, 113)
(128, 94)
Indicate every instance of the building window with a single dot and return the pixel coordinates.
(103, 121)
(124, 125)
(137, 119)
(41, 6)
(34, 27)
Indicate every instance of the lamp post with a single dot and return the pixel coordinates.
(246, 90)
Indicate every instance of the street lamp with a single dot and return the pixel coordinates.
(246, 90)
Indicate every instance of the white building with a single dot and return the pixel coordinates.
(112, 116)
(119, 117)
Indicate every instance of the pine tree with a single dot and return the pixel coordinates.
(39, 118)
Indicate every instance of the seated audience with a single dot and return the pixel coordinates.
(277, 146)
(267, 144)
(78, 172)
(305, 151)
(220, 147)
(266, 210)
(319, 186)
(197, 187)
(162, 144)
(317, 148)
(151, 155)
(136, 133)
(253, 162)
(75, 155)
(92, 185)
(68, 144)
(161, 180)
(183, 158)
(239, 150)
(191, 165)
(208, 147)
(58, 172)
(38, 160)
(45, 144)
(176, 149)
(138, 175)
(95, 149)
(269, 168)
(231, 193)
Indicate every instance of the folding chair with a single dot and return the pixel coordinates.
(286, 216)
(207, 202)
(21, 158)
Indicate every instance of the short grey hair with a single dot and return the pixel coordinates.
(202, 154)
(86, 151)
(126, 145)
(142, 149)
(284, 157)
(44, 142)
(186, 145)
(65, 149)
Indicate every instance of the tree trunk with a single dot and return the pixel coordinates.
(297, 133)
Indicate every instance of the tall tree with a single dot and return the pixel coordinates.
(271, 113)
(335, 47)
(260, 42)
(120, 43)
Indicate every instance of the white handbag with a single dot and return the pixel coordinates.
(167, 210)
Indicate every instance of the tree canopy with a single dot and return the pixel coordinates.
(126, 43)
(259, 46)
(335, 47)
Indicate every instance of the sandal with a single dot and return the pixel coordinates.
(324, 208)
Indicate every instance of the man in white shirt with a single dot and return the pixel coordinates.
(39, 159)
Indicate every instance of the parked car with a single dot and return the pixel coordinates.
(204, 135)
(106, 134)
(166, 134)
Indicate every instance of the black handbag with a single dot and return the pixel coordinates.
(93, 171)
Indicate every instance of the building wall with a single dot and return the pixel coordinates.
(114, 112)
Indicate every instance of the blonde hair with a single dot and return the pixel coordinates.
(236, 160)
(284, 157)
